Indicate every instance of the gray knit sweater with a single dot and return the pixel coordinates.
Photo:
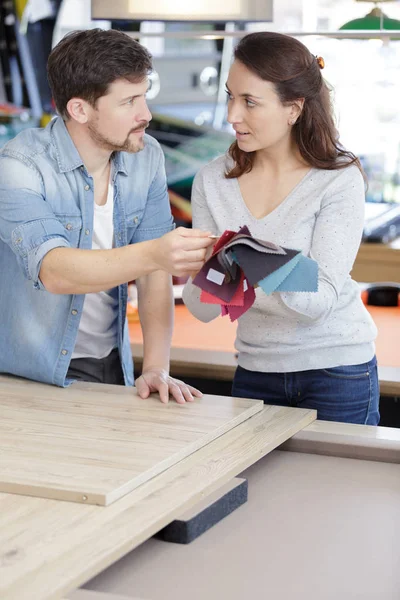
(323, 217)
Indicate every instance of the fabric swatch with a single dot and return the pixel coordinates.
(304, 278)
(270, 283)
(235, 312)
(236, 300)
(224, 291)
(240, 262)
(256, 265)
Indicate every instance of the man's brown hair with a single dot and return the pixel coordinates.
(85, 63)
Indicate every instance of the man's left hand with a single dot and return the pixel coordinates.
(158, 380)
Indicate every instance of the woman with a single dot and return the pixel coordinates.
(288, 179)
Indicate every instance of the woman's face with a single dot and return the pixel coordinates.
(255, 111)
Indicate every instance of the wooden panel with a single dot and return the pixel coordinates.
(207, 501)
(49, 548)
(346, 440)
(94, 444)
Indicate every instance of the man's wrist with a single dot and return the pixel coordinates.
(151, 255)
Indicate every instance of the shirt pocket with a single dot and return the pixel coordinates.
(73, 227)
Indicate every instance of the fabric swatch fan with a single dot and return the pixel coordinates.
(239, 263)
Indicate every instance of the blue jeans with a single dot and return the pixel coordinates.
(348, 394)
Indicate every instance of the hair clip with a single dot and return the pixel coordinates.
(320, 61)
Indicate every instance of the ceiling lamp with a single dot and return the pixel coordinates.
(376, 20)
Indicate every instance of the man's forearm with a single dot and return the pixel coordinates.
(75, 271)
(156, 312)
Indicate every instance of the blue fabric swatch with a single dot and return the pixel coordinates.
(273, 281)
(304, 278)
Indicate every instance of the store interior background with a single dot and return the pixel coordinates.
(187, 95)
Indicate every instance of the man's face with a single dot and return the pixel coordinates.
(121, 116)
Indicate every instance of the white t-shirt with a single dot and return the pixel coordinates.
(97, 333)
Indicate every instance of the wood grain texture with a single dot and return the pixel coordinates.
(91, 445)
(49, 548)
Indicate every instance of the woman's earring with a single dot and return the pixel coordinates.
(292, 122)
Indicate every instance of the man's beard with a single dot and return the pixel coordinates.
(129, 145)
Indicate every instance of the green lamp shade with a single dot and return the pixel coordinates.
(371, 22)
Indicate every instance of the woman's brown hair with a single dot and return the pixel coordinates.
(296, 73)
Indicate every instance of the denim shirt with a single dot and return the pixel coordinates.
(46, 202)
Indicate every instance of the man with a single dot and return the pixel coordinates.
(83, 210)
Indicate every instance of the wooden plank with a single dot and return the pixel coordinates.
(94, 443)
(346, 440)
(205, 502)
(49, 548)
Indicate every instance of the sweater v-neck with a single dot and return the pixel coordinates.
(274, 210)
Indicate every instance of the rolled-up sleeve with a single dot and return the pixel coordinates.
(27, 223)
(157, 218)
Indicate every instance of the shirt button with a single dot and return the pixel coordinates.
(136, 220)
(68, 226)
(64, 352)
(74, 312)
(87, 231)
(87, 187)
(18, 241)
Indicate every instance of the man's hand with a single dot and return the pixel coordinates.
(182, 251)
(208, 255)
(158, 380)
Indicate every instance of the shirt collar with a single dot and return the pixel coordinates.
(68, 157)
(118, 159)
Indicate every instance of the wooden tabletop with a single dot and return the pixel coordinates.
(50, 547)
(207, 349)
(94, 444)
